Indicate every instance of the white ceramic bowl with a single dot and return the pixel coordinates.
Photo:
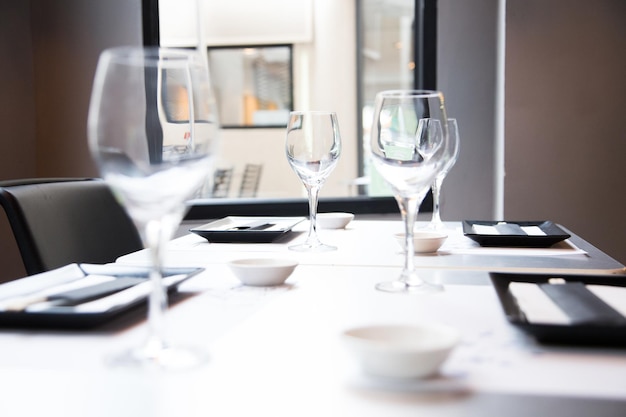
(261, 272)
(334, 220)
(397, 351)
(424, 241)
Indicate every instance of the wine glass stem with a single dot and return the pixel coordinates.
(409, 207)
(157, 302)
(313, 192)
(436, 189)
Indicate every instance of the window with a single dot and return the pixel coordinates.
(394, 40)
(252, 85)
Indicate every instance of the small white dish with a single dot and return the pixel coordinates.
(424, 241)
(334, 220)
(401, 351)
(259, 272)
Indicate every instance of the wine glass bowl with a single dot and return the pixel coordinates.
(313, 147)
(152, 129)
(407, 147)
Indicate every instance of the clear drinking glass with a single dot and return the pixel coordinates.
(152, 128)
(313, 146)
(407, 147)
(450, 156)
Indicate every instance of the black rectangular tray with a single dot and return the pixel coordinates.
(252, 229)
(553, 234)
(571, 334)
(70, 317)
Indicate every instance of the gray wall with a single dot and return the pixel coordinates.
(17, 104)
(467, 75)
(564, 117)
(564, 73)
(62, 91)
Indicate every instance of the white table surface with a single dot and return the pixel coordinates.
(277, 352)
(372, 243)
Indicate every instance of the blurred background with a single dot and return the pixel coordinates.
(537, 86)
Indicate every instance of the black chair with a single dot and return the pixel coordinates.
(58, 221)
(221, 182)
(250, 180)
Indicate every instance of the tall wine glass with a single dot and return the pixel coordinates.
(152, 128)
(407, 144)
(450, 156)
(313, 146)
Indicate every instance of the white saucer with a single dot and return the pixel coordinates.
(334, 220)
(424, 241)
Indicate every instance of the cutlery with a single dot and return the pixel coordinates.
(253, 226)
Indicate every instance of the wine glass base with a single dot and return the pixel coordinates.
(305, 247)
(402, 287)
(179, 358)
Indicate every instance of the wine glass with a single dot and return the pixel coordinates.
(407, 147)
(152, 129)
(450, 156)
(313, 146)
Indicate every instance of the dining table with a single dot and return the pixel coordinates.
(279, 351)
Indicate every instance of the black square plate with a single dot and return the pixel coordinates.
(528, 234)
(76, 316)
(564, 334)
(235, 229)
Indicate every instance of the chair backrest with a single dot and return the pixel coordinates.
(59, 221)
(221, 182)
(250, 180)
